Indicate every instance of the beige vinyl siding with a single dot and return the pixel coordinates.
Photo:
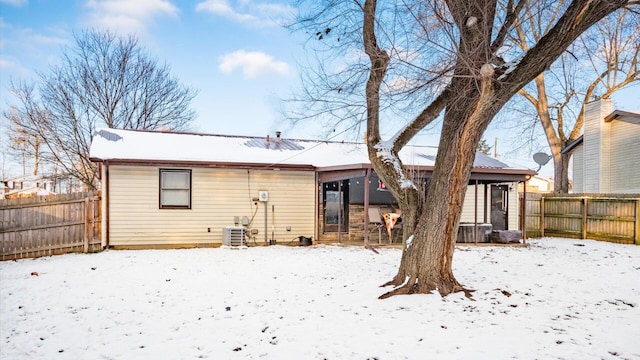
(625, 150)
(468, 206)
(217, 195)
(513, 207)
(578, 169)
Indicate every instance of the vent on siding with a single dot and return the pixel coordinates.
(233, 236)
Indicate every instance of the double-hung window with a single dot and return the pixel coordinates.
(175, 189)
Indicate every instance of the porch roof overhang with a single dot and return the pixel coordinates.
(481, 175)
(573, 145)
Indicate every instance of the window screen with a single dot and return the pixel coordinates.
(175, 188)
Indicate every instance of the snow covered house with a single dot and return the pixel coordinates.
(605, 157)
(165, 189)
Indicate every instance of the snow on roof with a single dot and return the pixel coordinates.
(135, 145)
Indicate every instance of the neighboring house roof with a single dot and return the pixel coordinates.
(133, 146)
(615, 115)
(573, 145)
(620, 113)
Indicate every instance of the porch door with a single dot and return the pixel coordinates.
(499, 207)
(336, 206)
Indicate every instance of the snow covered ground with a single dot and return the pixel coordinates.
(558, 298)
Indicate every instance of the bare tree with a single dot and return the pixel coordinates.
(104, 81)
(602, 61)
(25, 145)
(453, 54)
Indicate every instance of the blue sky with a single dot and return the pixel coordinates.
(233, 51)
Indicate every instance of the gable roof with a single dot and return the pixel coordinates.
(616, 114)
(620, 113)
(151, 147)
(573, 145)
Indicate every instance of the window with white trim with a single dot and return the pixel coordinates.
(175, 189)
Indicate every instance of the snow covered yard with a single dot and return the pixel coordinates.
(558, 298)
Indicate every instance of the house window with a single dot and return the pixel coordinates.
(175, 189)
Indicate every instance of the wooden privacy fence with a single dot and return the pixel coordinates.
(48, 225)
(614, 218)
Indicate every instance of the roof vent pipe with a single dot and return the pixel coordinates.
(278, 133)
(267, 141)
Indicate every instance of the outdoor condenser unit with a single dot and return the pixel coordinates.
(234, 236)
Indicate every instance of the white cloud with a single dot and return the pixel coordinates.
(223, 8)
(13, 67)
(253, 64)
(21, 41)
(248, 12)
(127, 16)
(14, 2)
(4, 64)
(49, 40)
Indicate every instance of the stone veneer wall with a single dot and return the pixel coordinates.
(356, 228)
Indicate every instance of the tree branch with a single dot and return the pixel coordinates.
(579, 16)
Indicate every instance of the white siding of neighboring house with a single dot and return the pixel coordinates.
(468, 207)
(539, 184)
(578, 169)
(218, 195)
(625, 155)
(596, 146)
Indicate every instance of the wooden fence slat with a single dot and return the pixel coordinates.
(86, 226)
(542, 222)
(57, 247)
(585, 208)
(47, 225)
(636, 239)
(614, 218)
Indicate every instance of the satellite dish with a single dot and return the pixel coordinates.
(541, 159)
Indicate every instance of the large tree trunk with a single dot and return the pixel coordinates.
(560, 173)
(426, 263)
(427, 257)
(471, 100)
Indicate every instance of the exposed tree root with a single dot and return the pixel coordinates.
(371, 248)
(397, 280)
(403, 290)
(413, 287)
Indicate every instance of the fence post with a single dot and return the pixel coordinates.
(542, 216)
(86, 224)
(93, 218)
(636, 239)
(585, 207)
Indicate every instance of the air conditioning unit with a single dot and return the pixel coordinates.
(234, 236)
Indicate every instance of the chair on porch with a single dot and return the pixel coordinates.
(376, 218)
